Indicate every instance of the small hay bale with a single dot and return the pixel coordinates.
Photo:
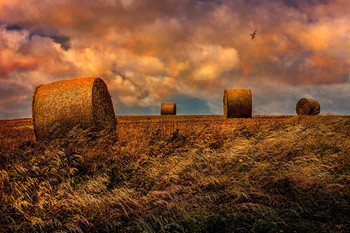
(307, 106)
(62, 105)
(168, 109)
(237, 103)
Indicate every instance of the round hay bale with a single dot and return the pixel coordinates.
(168, 109)
(307, 106)
(237, 103)
(63, 105)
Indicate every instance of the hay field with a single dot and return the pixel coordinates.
(179, 174)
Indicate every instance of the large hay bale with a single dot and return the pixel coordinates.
(63, 105)
(168, 109)
(237, 103)
(307, 106)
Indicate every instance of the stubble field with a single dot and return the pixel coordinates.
(179, 174)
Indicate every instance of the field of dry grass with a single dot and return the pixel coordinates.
(179, 174)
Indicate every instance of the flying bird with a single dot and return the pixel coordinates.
(253, 34)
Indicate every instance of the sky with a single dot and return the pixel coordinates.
(183, 51)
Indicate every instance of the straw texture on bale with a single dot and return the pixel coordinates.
(237, 103)
(63, 105)
(307, 106)
(168, 109)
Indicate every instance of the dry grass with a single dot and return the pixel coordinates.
(179, 174)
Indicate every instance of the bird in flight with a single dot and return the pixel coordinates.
(253, 34)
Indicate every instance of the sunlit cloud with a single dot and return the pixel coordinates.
(152, 51)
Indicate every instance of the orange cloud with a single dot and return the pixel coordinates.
(148, 51)
(30, 64)
(323, 62)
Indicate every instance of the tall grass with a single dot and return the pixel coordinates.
(179, 174)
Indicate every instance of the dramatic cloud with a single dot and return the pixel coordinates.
(185, 51)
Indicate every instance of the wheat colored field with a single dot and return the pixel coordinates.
(179, 174)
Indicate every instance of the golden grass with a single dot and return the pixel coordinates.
(60, 106)
(180, 174)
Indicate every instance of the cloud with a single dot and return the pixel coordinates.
(152, 51)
